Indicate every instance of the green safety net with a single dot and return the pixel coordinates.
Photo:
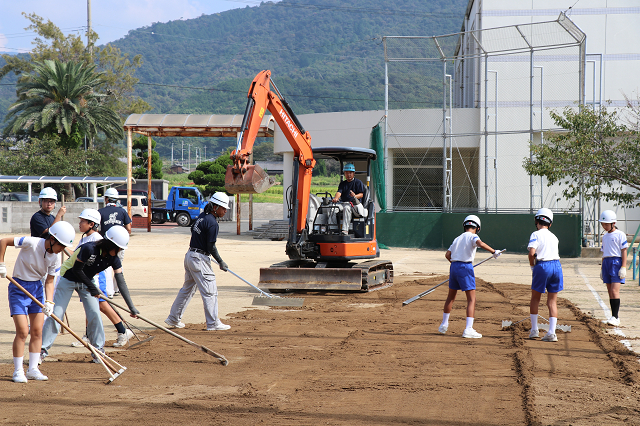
(377, 166)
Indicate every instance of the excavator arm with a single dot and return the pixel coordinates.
(243, 178)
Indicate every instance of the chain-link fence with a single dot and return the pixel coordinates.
(463, 108)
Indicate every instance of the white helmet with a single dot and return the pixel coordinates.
(545, 215)
(472, 220)
(91, 215)
(118, 236)
(111, 193)
(48, 193)
(607, 216)
(63, 232)
(221, 199)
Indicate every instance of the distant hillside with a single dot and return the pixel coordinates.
(325, 56)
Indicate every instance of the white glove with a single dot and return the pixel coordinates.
(496, 254)
(48, 308)
(3, 270)
(622, 273)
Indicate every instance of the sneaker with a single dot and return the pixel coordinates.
(123, 338)
(96, 359)
(35, 374)
(613, 321)
(534, 334)
(470, 333)
(43, 355)
(116, 293)
(219, 326)
(77, 344)
(19, 377)
(172, 324)
(443, 328)
(549, 338)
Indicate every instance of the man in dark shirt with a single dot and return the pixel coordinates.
(42, 220)
(111, 214)
(349, 196)
(197, 266)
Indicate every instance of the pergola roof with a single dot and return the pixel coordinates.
(62, 179)
(186, 125)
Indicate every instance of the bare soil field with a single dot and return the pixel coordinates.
(350, 359)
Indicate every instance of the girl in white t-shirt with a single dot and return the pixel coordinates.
(38, 258)
(614, 262)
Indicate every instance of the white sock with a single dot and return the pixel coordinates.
(34, 357)
(17, 363)
(553, 321)
(469, 322)
(534, 321)
(445, 318)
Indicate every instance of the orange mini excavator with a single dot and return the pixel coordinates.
(321, 257)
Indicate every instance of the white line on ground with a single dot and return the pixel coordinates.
(607, 312)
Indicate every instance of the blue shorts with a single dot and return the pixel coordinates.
(461, 276)
(547, 275)
(610, 268)
(20, 303)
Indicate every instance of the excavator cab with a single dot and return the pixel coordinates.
(329, 217)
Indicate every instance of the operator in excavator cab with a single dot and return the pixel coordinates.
(349, 197)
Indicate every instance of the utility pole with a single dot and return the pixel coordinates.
(171, 154)
(182, 161)
(89, 28)
(189, 166)
(205, 153)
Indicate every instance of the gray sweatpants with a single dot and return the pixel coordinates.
(197, 275)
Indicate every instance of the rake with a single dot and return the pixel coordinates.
(268, 299)
(106, 361)
(424, 293)
(565, 328)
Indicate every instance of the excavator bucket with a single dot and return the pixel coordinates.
(254, 181)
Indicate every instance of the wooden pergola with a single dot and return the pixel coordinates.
(185, 125)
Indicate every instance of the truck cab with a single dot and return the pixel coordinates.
(183, 205)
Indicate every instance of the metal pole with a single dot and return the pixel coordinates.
(444, 137)
(129, 169)
(149, 183)
(541, 127)
(386, 131)
(486, 134)
(238, 214)
(531, 128)
(495, 129)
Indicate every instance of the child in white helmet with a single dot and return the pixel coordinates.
(88, 225)
(614, 262)
(42, 220)
(38, 258)
(461, 276)
(546, 270)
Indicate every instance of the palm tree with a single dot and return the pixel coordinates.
(62, 98)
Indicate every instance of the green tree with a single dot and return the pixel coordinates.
(596, 156)
(46, 157)
(141, 144)
(264, 152)
(51, 44)
(63, 98)
(209, 175)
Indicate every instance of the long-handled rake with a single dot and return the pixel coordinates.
(106, 361)
(424, 293)
(268, 299)
(565, 328)
(130, 326)
(204, 349)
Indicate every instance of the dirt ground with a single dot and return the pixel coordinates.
(341, 359)
(351, 360)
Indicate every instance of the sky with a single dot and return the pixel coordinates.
(111, 19)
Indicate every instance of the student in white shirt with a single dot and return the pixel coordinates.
(614, 262)
(546, 270)
(38, 258)
(461, 276)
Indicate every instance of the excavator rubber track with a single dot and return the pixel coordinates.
(292, 275)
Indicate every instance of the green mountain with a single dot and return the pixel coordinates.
(325, 56)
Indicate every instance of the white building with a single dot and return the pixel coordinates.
(511, 64)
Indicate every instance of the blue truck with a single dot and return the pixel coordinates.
(183, 205)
